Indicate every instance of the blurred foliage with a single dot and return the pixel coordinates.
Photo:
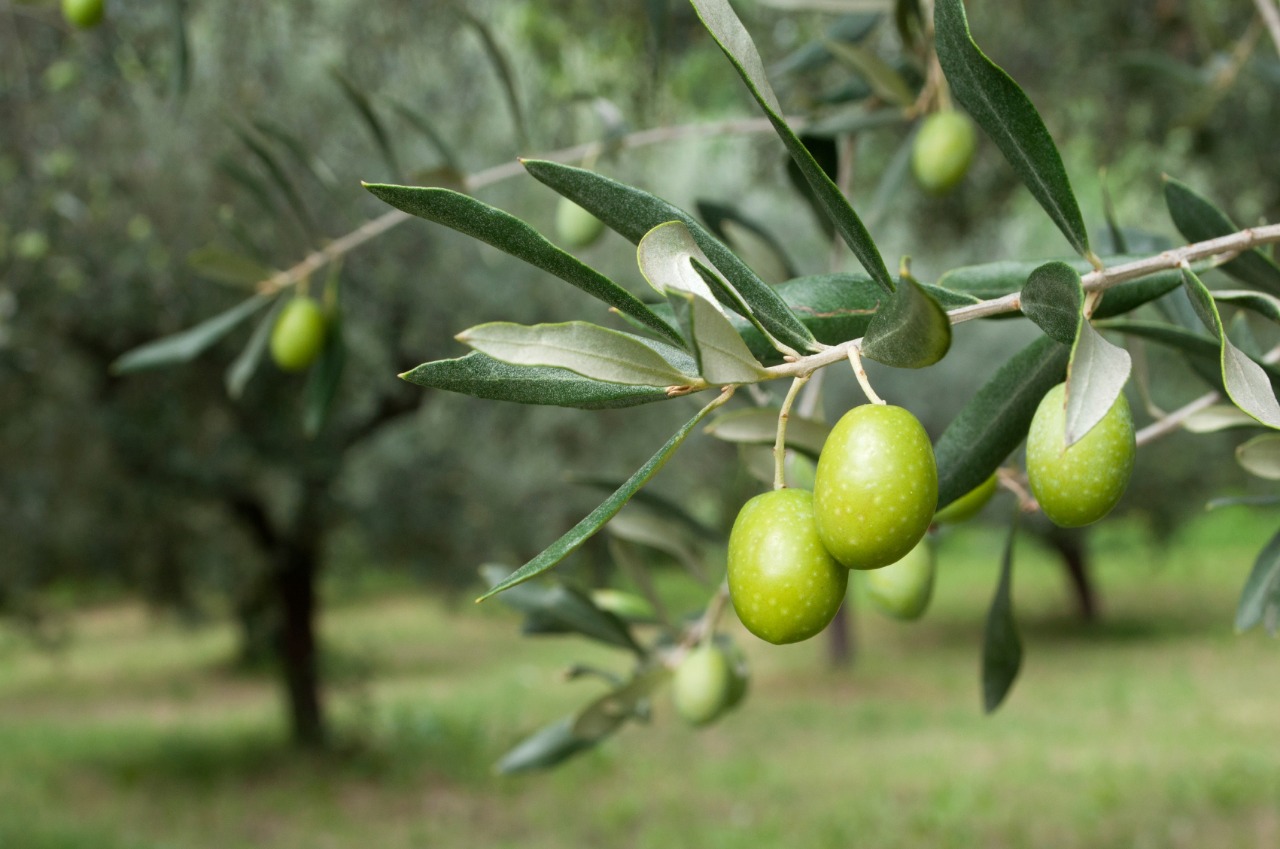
(175, 127)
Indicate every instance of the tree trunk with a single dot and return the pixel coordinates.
(295, 576)
(841, 639)
(1070, 545)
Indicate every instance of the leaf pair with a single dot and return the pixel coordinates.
(1097, 370)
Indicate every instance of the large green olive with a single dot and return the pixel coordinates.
(876, 486)
(942, 151)
(784, 584)
(576, 227)
(84, 14)
(298, 335)
(1079, 485)
(702, 685)
(968, 505)
(903, 589)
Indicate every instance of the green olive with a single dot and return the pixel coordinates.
(702, 684)
(1079, 485)
(903, 589)
(942, 151)
(968, 505)
(876, 486)
(84, 14)
(576, 227)
(298, 335)
(784, 585)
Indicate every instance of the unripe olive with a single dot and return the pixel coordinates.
(903, 589)
(83, 13)
(968, 505)
(1079, 485)
(876, 487)
(942, 151)
(576, 227)
(702, 684)
(298, 335)
(784, 584)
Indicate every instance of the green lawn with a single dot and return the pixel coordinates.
(1157, 728)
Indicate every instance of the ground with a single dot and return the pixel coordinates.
(1156, 728)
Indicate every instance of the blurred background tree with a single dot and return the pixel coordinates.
(138, 157)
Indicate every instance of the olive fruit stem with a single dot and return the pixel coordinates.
(705, 627)
(1015, 482)
(780, 441)
(855, 360)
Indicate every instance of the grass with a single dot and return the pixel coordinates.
(1156, 728)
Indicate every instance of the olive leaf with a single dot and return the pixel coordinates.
(481, 376)
(1001, 645)
(633, 213)
(727, 30)
(509, 234)
(585, 348)
(1246, 382)
(722, 357)
(585, 529)
(911, 330)
(1260, 456)
(1267, 306)
(1053, 298)
(559, 608)
(1096, 375)
(1260, 599)
(250, 357)
(225, 266)
(546, 747)
(996, 418)
(1007, 115)
(660, 533)
(323, 380)
(188, 344)
(1198, 220)
(759, 425)
(1216, 418)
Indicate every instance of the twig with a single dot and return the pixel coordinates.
(1172, 421)
(1270, 17)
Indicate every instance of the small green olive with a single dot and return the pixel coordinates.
(576, 227)
(968, 505)
(784, 585)
(1079, 485)
(903, 589)
(702, 684)
(876, 486)
(84, 14)
(942, 151)
(298, 335)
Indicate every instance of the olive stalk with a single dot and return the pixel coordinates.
(780, 439)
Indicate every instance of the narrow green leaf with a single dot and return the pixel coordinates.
(1096, 375)
(481, 376)
(1054, 300)
(883, 78)
(607, 714)
(508, 233)
(759, 425)
(1005, 113)
(996, 418)
(633, 213)
(1246, 382)
(364, 108)
(1218, 417)
(723, 358)
(661, 533)
(1199, 220)
(546, 747)
(506, 75)
(181, 51)
(1267, 306)
(910, 331)
(250, 357)
(1001, 645)
(725, 27)
(759, 248)
(596, 519)
(227, 267)
(1260, 456)
(587, 349)
(428, 130)
(250, 182)
(655, 503)
(188, 344)
(301, 154)
(564, 607)
(281, 178)
(665, 256)
(325, 376)
(1260, 598)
